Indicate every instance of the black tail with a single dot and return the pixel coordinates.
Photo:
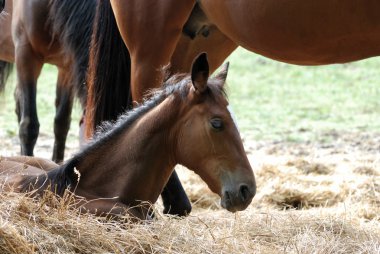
(2, 5)
(5, 71)
(109, 70)
(72, 22)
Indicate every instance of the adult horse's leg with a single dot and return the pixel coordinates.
(64, 105)
(28, 67)
(151, 30)
(151, 36)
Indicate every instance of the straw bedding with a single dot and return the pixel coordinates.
(311, 199)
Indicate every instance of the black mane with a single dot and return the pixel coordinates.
(179, 83)
(108, 129)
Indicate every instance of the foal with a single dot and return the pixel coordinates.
(186, 122)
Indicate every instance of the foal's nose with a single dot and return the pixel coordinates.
(239, 199)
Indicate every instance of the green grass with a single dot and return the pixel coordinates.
(278, 101)
(272, 100)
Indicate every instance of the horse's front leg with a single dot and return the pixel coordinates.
(64, 105)
(28, 67)
(151, 30)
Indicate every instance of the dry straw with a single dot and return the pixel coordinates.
(313, 204)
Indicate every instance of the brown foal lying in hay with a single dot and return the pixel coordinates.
(128, 163)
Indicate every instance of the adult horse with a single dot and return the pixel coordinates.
(298, 32)
(160, 32)
(186, 122)
(46, 31)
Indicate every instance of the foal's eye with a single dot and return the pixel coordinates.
(217, 124)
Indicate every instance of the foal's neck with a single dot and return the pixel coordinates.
(136, 163)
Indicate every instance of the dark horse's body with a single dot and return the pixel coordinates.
(46, 31)
(302, 32)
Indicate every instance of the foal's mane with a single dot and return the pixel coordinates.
(178, 83)
(64, 176)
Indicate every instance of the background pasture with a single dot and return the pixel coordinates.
(312, 135)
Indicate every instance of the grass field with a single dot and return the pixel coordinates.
(272, 100)
(312, 135)
(277, 101)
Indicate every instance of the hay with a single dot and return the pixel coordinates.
(325, 202)
(41, 229)
(310, 168)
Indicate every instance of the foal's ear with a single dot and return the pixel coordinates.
(200, 73)
(222, 74)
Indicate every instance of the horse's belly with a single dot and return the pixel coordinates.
(301, 31)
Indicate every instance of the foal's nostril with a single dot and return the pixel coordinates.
(227, 196)
(244, 193)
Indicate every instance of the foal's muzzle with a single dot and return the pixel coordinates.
(238, 199)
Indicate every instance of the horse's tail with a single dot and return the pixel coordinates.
(72, 22)
(109, 71)
(5, 71)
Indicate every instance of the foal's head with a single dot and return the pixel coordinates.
(209, 142)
